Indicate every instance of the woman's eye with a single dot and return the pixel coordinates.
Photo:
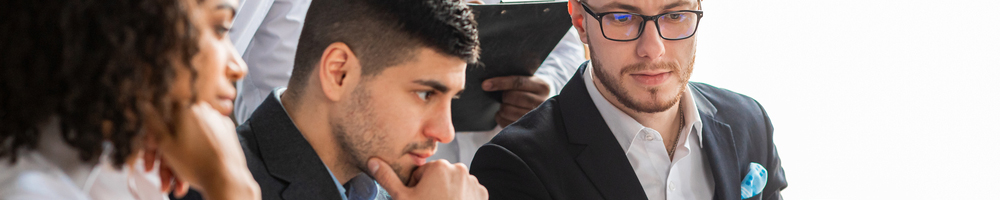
(221, 30)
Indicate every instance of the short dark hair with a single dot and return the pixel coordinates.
(385, 33)
(98, 66)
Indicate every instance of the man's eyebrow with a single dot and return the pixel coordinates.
(676, 4)
(621, 6)
(434, 84)
(633, 9)
(226, 6)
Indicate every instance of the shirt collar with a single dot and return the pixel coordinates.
(361, 187)
(624, 127)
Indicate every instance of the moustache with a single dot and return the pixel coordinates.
(426, 145)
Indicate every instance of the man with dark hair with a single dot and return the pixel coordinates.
(369, 96)
(629, 125)
(266, 33)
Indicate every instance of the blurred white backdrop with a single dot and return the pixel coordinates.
(870, 99)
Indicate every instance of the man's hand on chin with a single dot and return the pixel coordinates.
(437, 179)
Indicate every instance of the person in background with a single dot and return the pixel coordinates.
(92, 91)
(629, 125)
(368, 100)
(266, 33)
(521, 94)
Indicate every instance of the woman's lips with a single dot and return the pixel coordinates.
(225, 105)
(651, 79)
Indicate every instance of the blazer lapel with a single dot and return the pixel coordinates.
(601, 157)
(288, 156)
(720, 148)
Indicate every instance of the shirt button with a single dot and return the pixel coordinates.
(649, 136)
(672, 186)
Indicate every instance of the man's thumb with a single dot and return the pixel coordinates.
(384, 175)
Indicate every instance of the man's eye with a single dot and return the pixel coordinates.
(622, 18)
(675, 16)
(423, 94)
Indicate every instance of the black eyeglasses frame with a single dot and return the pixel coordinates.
(642, 26)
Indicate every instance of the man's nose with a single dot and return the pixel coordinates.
(650, 44)
(439, 126)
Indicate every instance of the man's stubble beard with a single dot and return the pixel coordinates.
(615, 84)
(366, 138)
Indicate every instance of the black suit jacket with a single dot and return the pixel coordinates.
(280, 158)
(564, 149)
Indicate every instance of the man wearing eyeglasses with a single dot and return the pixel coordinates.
(629, 125)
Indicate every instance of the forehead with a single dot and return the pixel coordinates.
(641, 6)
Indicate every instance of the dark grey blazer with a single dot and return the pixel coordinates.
(280, 158)
(564, 149)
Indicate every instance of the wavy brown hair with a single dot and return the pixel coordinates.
(101, 67)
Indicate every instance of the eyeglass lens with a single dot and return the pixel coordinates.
(624, 26)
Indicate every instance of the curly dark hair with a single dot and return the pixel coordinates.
(100, 67)
(384, 33)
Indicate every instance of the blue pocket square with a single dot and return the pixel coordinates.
(754, 182)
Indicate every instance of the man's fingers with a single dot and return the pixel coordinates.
(504, 121)
(416, 176)
(521, 83)
(511, 112)
(522, 99)
(384, 175)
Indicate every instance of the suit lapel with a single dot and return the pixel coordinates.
(288, 156)
(720, 148)
(601, 157)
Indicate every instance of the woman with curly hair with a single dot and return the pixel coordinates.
(88, 86)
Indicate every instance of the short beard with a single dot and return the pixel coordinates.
(615, 85)
(355, 144)
(366, 140)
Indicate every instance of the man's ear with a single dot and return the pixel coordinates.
(338, 71)
(578, 15)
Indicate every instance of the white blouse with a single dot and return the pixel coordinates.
(55, 171)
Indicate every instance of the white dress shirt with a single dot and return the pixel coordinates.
(687, 176)
(54, 171)
(266, 33)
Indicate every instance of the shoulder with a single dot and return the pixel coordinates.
(730, 107)
(537, 138)
(247, 138)
(269, 185)
(250, 149)
(537, 129)
(33, 178)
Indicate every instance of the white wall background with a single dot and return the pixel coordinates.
(870, 99)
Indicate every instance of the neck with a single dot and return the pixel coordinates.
(668, 122)
(313, 122)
